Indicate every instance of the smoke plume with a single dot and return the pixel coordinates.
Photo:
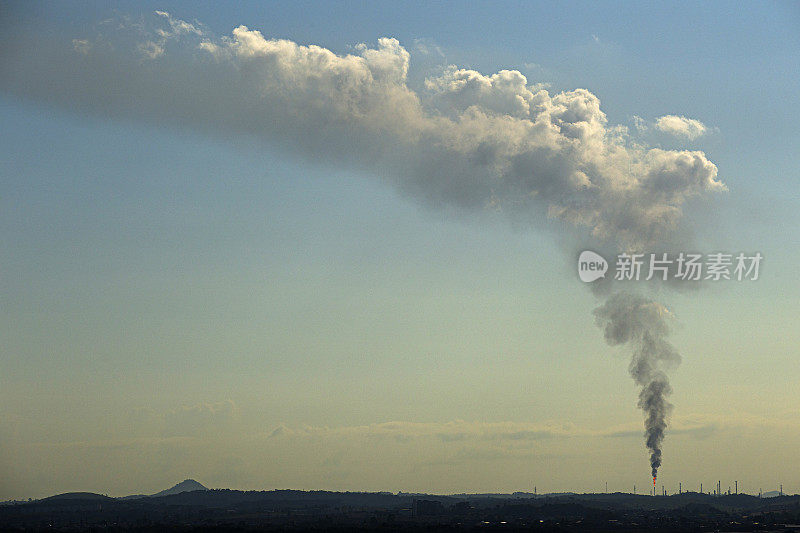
(462, 139)
(642, 324)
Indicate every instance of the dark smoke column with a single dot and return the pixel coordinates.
(643, 325)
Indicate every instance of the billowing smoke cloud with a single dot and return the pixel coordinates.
(463, 139)
(643, 325)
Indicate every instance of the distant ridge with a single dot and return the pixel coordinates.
(187, 485)
(77, 496)
(299, 511)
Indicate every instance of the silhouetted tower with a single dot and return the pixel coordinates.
(680, 488)
(737, 487)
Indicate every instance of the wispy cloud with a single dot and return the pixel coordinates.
(460, 431)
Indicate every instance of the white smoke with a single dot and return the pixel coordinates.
(465, 139)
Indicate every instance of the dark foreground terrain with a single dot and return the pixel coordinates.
(285, 510)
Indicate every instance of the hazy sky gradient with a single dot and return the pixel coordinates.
(177, 304)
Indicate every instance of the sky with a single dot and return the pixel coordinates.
(340, 254)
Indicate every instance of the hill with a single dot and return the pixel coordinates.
(187, 485)
(85, 496)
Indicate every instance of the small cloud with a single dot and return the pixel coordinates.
(209, 47)
(639, 123)
(158, 38)
(681, 126)
(151, 49)
(82, 46)
(428, 47)
(178, 26)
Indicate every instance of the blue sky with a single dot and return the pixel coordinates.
(179, 302)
